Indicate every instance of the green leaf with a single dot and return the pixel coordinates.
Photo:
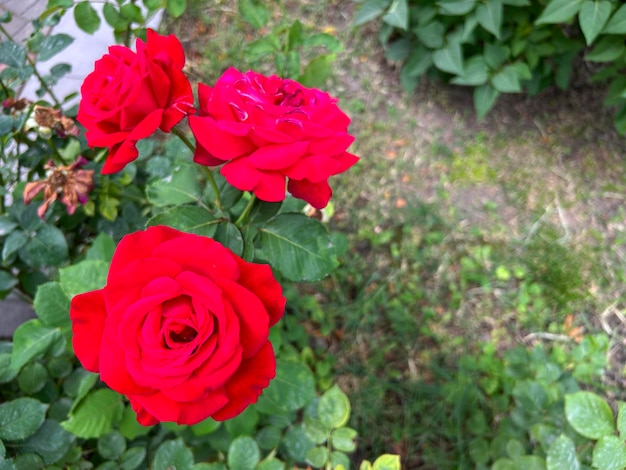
(13, 243)
(609, 453)
(181, 189)
(292, 388)
(489, 16)
(132, 458)
(52, 305)
(323, 39)
(33, 339)
(334, 408)
(317, 71)
(254, 12)
(191, 219)
(88, 275)
(59, 367)
(484, 98)
(173, 454)
(243, 453)
(449, 59)
(32, 378)
(475, 72)
(317, 456)
(370, 10)
(113, 17)
(562, 454)
(621, 419)
(205, 427)
(230, 236)
(21, 418)
(495, 55)
(271, 464)
(589, 415)
(86, 17)
(95, 415)
(398, 15)
(50, 442)
(28, 462)
(12, 54)
(456, 7)
(315, 430)
(387, 462)
(593, 16)
(343, 439)
(7, 373)
(175, 8)
(7, 282)
(130, 427)
(559, 11)
(7, 225)
(132, 13)
(243, 424)
(268, 437)
(506, 80)
(78, 384)
(418, 62)
(297, 246)
(47, 248)
(607, 49)
(432, 35)
(617, 23)
(339, 460)
(52, 45)
(297, 444)
(6, 126)
(111, 445)
(102, 248)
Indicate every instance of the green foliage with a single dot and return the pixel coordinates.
(501, 46)
(297, 49)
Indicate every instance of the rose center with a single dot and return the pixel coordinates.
(185, 335)
(290, 97)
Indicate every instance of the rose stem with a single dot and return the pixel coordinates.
(218, 199)
(246, 212)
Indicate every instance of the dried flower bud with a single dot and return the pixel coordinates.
(70, 184)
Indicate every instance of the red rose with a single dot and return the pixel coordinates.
(181, 327)
(267, 130)
(129, 95)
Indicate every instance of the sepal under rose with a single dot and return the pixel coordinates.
(181, 327)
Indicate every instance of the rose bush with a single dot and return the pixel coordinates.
(181, 327)
(268, 130)
(129, 95)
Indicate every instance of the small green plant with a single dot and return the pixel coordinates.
(296, 49)
(504, 46)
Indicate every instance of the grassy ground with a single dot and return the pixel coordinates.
(462, 233)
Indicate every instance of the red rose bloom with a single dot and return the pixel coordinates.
(181, 327)
(268, 129)
(129, 95)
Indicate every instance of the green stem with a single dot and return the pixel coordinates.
(246, 212)
(55, 151)
(209, 175)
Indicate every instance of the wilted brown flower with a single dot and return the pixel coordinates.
(16, 105)
(69, 183)
(52, 118)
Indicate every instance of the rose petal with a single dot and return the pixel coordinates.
(316, 194)
(88, 314)
(248, 382)
(259, 280)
